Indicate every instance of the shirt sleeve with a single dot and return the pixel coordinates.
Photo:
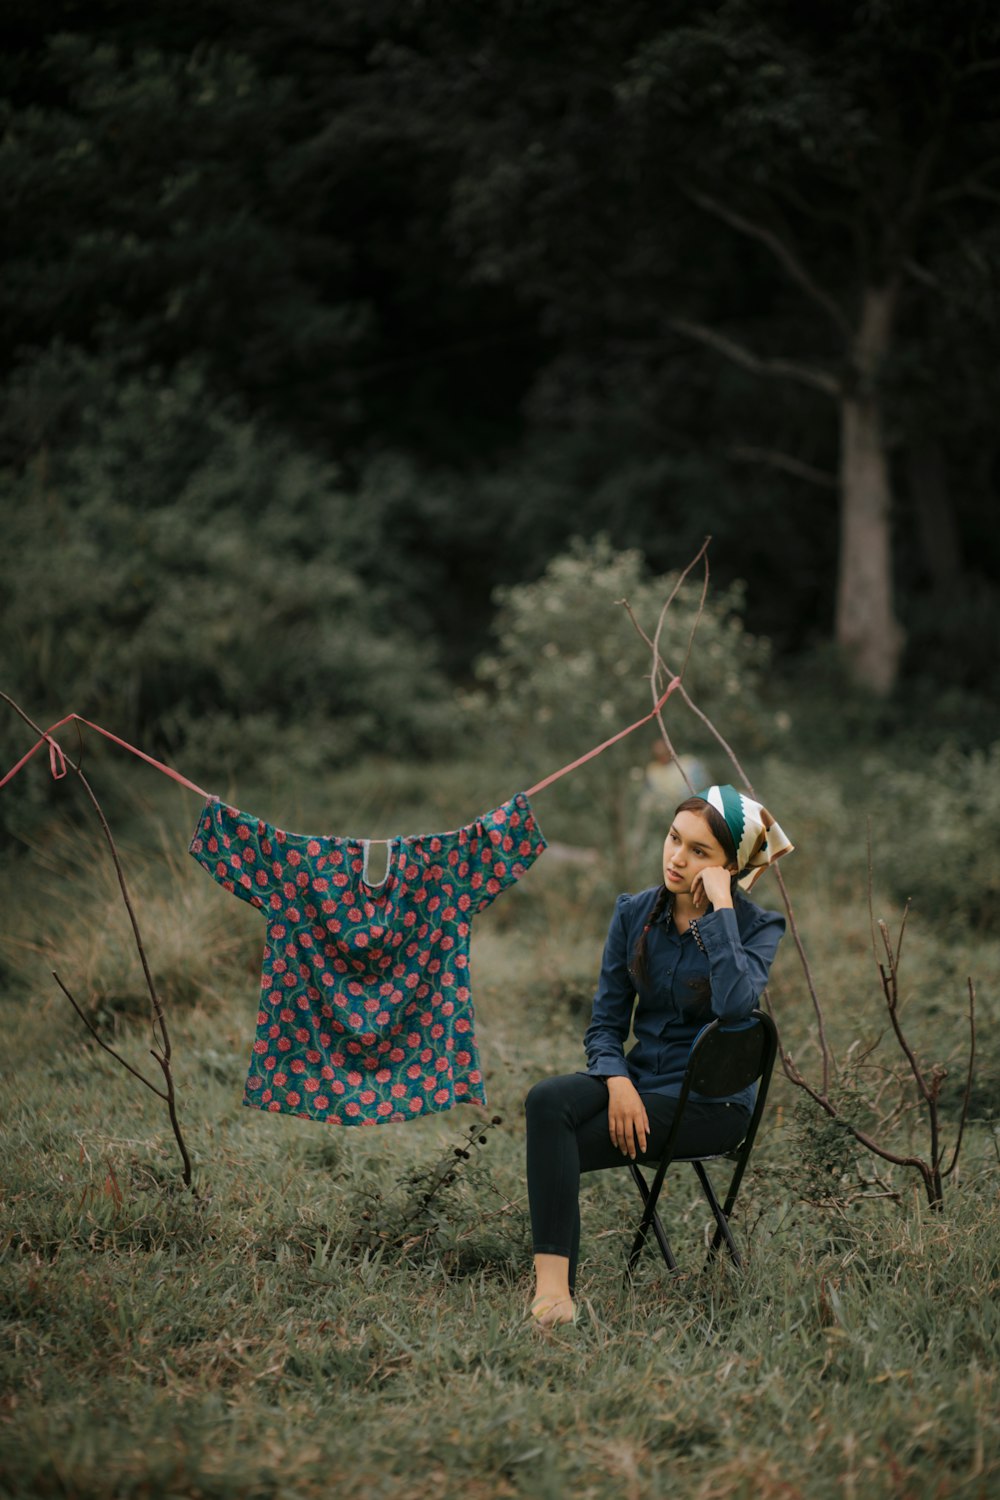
(492, 853)
(237, 850)
(738, 965)
(604, 1039)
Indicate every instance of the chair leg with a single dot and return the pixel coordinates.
(723, 1231)
(650, 1219)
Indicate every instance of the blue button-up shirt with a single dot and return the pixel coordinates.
(739, 946)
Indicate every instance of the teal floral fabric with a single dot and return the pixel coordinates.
(366, 1013)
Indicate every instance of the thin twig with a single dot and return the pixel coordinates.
(741, 773)
(782, 252)
(787, 463)
(697, 618)
(162, 1056)
(659, 665)
(890, 989)
(701, 553)
(655, 681)
(102, 1043)
(778, 369)
(928, 1085)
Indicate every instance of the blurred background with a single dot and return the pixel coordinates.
(359, 358)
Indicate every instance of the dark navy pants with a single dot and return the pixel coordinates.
(567, 1120)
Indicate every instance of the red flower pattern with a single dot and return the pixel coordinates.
(365, 996)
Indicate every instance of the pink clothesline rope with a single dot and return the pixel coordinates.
(541, 785)
(57, 757)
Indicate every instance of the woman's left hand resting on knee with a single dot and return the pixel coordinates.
(628, 1121)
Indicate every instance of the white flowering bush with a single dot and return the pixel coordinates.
(568, 669)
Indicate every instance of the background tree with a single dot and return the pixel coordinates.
(774, 177)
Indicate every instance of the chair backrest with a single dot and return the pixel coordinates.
(728, 1056)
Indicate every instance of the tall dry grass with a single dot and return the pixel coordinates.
(277, 1334)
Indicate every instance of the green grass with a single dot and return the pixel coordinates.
(307, 1326)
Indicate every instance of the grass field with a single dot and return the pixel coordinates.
(305, 1324)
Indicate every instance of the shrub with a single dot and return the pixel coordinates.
(569, 670)
(188, 579)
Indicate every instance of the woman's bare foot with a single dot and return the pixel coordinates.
(553, 1302)
(549, 1312)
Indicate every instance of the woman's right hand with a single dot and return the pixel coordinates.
(627, 1118)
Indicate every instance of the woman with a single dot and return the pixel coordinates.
(690, 950)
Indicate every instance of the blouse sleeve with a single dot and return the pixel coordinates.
(237, 850)
(738, 964)
(493, 852)
(605, 1037)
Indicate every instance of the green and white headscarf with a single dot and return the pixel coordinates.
(759, 840)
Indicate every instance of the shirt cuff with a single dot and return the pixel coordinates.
(719, 929)
(609, 1067)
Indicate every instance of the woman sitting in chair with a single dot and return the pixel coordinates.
(692, 949)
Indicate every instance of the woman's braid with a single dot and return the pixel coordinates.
(638, 961)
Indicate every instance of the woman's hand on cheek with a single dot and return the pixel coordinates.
(712, 885)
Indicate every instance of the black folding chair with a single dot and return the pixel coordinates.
(725, 1058)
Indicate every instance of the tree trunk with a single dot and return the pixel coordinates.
(867, 630)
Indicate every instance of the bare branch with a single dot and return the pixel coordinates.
(660, 665)
(702, 550)
(655, 681)
(928, 1084)
(779, 369)
(160, 1031)
(788, 464)
(890, 989)
(926, 278)
(782, 252)
(683, 692)
(970, 187)
(701, 553)
(694, 627)
(826, 1104)
(902, 930)
(102, 1043)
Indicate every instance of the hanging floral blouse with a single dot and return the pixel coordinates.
(366, 1013)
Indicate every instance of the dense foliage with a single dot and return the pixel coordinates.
(450, 253)
(196, 581)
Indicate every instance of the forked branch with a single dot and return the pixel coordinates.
(928, 1080)
(161, 1049)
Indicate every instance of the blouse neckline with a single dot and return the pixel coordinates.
(383, 886)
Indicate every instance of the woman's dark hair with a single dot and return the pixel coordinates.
(720, 831)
